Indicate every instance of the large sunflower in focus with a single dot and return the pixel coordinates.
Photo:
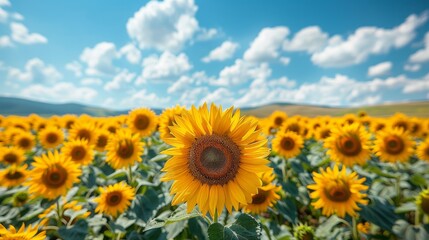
(114, 199)
(24, 140)
(216, 157)
(166, 120)
(52, 175)
(336, 191)
(393, 145)
(124, 149)
(79, 151)
(423, 150)
(142, 121)
(266, 197)
(50, 137)
(30, 233)
(348, 145)
(11, 155)
(13, 176)
(287, 144)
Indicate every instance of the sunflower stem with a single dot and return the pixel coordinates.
(130, 175)
(59, 215)
(398, 191)
(355, 229)
(417, 217)
(215, 220)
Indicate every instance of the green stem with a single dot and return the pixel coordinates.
(130, 175)
(354, 229)
(398, 191)
(59, 214)
(215, 217)
(417, 217)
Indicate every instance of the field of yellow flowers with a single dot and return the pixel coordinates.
(210, 173)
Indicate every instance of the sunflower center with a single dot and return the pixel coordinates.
(126, 149)
(84, 134)
(113, 198)
(55, 177)
(316, 126)
(111, 129)
(14, 175)
(78, 153)
(214, 159)
(401, 124)
(294, 127)
(425, 204)
(24, 143)
(287, 143)
(427, 151)
(261, 197)
(325, 133)
(278, 121)
(338, 192)
(415, 128)
(141, 122)
(394, 145)
(350, 146)
(379, 127)
(52, 138)
(69, 124)
(10, 158)
(101, 141)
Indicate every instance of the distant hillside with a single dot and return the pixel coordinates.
(17, 106)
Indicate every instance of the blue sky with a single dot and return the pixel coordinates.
(126, 54)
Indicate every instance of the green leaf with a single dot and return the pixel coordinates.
(179, 214)
(159, 158)
(287, 208)
(406, 207)
(327, 227)
(418, 180)
(198, 227)
(379, 212)
(245, 227)
(78, 231)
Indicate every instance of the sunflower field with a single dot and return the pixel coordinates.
(209, 173)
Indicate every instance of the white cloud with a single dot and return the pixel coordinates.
(123, 77)
(241, 72)
(35, 70)
(285, 60)
(99, 59)
(17, 16)
(366, 41)
(3, 15)
(91, 81)
(144, 98)
(421, 55)
(4, 3)
(267, 44)
(193, 96)
(412, 67)
(219, 96)
(21, 34)
(5, 41)
(59, 92)
(221, 53)
(165, 67)
(187, 82)
(131, 52)
(75, 67)
(310, 39)
(165, 25)
(207, 34)
(414, 86)
(380, 69)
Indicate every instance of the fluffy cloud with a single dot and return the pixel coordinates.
(221, 53)
(75, 67)
(5, 41)
(193, 96)
(285, 60)
(4, 3)
(35, 70)
(310, 39)
(207, 34)
(99, 59)
(165, 25)
(131, 52)
(60, 92)
(414, 86)
(21, 34)
(3, 15)
(421, 55)
(165, 67)
(241, 72)
(144, 98)
(266, 45)
(219, 96)
(380, 69)
(187, 82)
(366, 41)
(412, 67)
(123, 77)
(91, 81)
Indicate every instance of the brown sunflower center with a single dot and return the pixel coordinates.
(24, 142)
(111, 129)
(380, 126)
(316, 126)
(15, 175)
(51, 138)
(69, 124)
(55, 177)
(294, 127)
(394, 145)
(401, 124)
(260, 197)
(84, 134)
(415, 128)
(141, 122)
(338, 192)
(425, 204)
(278, 121)
(325, 133)
(287, 143)
(10, 158)
(427, 151)
(78, 153)
(214, 159)
(125, 149)
(350, 146)
(102, 141)
(114, 198)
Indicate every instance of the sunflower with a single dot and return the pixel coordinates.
(112, 126)
(422, 201)
(68, 121)
(304, 232)
(103, 136)
(378, 125)
(166, 120)
(79, 151)
(348, 145)
(30, 233)
(348, 119)
(83, 130)
(393, 145)
(292, 125)
(51, 211)
(124, 149)
(13, 176)
(142, 121)
(399, 120)
(266, 197)
(277, 118)
(24, 140)
(52, 175)
(423, 150)
(114, 199)
(364, 227)
(336, 191)
(50, 137)
(323, 132)
(287, 144)
(216, 158)
(416, 127)
(12, 155)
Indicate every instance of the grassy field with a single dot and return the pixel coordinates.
(416, 109)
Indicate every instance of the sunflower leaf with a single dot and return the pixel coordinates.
(78, 231)
(245, 227)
